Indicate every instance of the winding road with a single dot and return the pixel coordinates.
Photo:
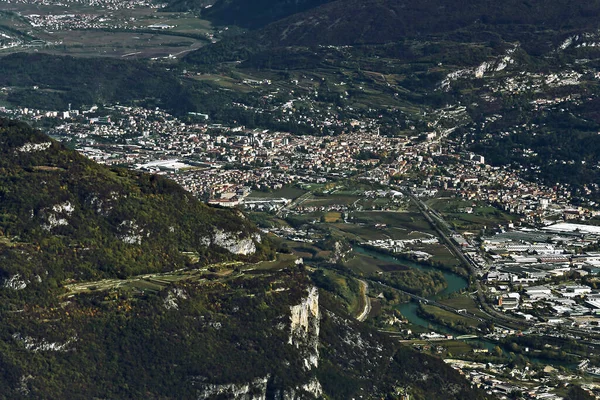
(365, 313)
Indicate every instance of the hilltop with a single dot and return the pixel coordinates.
(98, 222)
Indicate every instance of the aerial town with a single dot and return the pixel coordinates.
(414, 193)
(537, 270)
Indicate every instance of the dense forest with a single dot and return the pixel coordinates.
(53, 82)
(352, 22)
(81, 220)
(255, 14)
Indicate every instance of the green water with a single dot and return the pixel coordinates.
(456, 283)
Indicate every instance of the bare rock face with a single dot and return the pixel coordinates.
(35, 345)
(34, 147)
(15, 282)
(58, 215)
(233, 243)
(255, 390)
(304, 330)
(310, 390)
(130, 232)
(170, 302)
(304, 336)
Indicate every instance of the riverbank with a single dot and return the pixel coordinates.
(409, 258)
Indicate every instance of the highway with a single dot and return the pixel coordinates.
(472, 268)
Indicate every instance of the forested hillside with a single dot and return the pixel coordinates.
(53, 82)
(78, 220)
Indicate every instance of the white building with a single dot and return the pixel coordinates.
(538, 292)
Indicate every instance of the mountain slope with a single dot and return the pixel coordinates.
(234, 330)
(247, 14)
(535, 24)
(104, 223)
(347, 22)
(53, 82)
(257, 13)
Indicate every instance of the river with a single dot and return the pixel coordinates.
(456, 283)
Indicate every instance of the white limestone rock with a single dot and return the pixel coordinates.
(58, 216)
(130, 232)
(35, 345)
(205, 241)
(66, 208)
(310, 390)
(313, 387)
(255, 390)
(170, 302)
(496, 65)
(15, 282)
(53, 221)
(23, 387)
(233, 243)
(34, 147)
(305, 326)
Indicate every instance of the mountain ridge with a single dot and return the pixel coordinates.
(354, 22)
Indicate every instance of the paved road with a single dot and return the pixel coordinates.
(365, 313)
(472, 268)
(294, 203)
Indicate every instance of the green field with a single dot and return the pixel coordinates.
(287, 192)
(440, 254)
(307, 251)
(332, 216)
(464, 302)
(451, 347)
(157, 282)
(368, 232)
(453, 211)
(332, 199)
(229, 83)
(457, 347)
(363, 264)
(409, 220)
(449, 318)
(282, 261)
(359, 232)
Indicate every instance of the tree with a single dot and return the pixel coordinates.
(497, 351)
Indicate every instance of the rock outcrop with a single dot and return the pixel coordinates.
(233, 243)
(304, 329)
